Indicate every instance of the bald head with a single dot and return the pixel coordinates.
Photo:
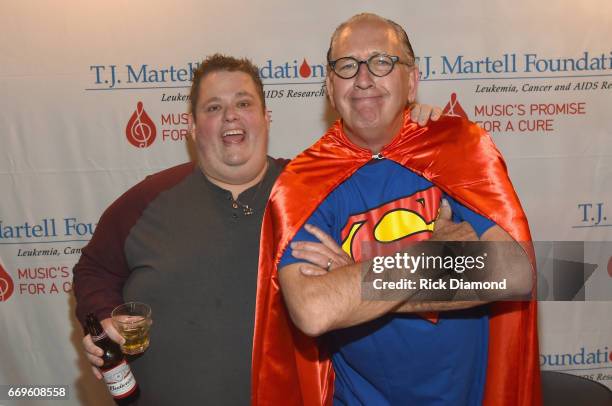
(397, 29)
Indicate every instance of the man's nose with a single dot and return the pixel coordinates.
(230, 114)
(364, 79)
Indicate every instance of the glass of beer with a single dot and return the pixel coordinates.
(133, 320)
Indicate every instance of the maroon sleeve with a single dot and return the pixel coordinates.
(102, 270)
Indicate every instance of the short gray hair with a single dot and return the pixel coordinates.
(399, 31)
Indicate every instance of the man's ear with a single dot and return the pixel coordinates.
(413, 81)
(330, 89)
(268, 115)
(191, 127)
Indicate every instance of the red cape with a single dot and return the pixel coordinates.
(289, 368)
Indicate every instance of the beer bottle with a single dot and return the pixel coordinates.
(115, 370)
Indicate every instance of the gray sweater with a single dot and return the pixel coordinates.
(182, 245)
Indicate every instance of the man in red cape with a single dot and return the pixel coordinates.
(291, 368)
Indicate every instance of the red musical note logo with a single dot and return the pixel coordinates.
(6, 285)
(305, 70)
(140, 130)
(454, 109)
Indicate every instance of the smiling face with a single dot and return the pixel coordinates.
(230, 130)
(371, 107)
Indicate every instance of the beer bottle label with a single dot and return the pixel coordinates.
(120, 380)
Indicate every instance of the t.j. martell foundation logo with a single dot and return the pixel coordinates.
(454, 109)
(271, 70)
(305, 70)
(6, 285)
(140, 129)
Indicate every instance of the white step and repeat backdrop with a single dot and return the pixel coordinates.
(537, 75)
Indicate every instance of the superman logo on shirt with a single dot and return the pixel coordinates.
(383, 229)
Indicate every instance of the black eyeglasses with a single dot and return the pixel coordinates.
(379, 65)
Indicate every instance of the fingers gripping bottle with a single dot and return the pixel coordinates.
(115, 370)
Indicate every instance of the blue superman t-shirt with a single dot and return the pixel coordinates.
(400, 359)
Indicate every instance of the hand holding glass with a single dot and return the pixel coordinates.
(133, 321)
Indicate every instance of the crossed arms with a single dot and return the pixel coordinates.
(320, 301)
